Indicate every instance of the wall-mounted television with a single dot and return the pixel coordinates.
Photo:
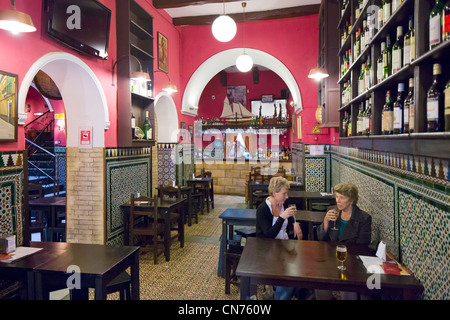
(83, 25)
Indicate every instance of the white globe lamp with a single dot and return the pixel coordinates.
(244, 62)
(224, 28)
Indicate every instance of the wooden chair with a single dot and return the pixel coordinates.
(149, 223)
(204, 189)
(173, 193)
(258, 196)
(37, 223)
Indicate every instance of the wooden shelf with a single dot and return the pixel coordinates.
(264, 126)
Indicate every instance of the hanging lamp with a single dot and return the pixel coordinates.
(16, 21)
(224, 28)
(244, 62)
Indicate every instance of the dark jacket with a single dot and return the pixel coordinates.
(264, 228)
(357, 231)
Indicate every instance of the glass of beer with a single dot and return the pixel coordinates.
(341, 255)
(295, 207)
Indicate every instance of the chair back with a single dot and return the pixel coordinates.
(35, 191)
(169, 192)
(204, 174)
(143, 207)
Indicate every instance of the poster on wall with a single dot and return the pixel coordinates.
(237, 94)
(85, 137)
(163, 54)
(8, 107)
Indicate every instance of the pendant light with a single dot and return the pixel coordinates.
(224, 28)
(16, 21)
(244, 62)
(318, 74)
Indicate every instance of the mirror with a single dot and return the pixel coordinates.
(8, 107)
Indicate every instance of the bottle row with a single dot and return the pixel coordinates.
(398, 116)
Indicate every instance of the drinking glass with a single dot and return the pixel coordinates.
(295, 207)
(334, 223)
(341, 255)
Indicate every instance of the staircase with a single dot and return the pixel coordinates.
(42, 168)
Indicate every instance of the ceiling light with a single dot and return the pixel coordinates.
(16, 21)
(169, 88)
(244, 62)
(224, 28)
(318, 74)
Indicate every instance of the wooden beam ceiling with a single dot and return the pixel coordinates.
(238, 17)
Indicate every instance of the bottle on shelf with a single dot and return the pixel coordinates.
(133, 126)
(398, 110)
(357, 49)
(395, 5)
(361, 84)
(387, 59)
(360, 121)
(407, 108)
(380, 63)
(147, 128)
(447, 106)
(435, 26)
(409, 44)
(368, 75)
(446, 22)
(387, 6)
(397, 51)
(380, 17)
(434, 103)
(349, 124)
(387, 117)
(368, 118)
(344, 124)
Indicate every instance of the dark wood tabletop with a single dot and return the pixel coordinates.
(313, 264)
(48, 201)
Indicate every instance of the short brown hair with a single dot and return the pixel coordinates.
(276, 183)
(348, 189)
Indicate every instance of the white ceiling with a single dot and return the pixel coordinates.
(236, 7)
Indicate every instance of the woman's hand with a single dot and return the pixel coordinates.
(289, 212)
(298, 231)
(331, 215)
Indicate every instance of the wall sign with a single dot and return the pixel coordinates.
(85, 137)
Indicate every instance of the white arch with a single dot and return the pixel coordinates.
(83, 95)
(225, 59)
(167, 117)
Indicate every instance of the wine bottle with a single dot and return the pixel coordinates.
(380, 63)
(368, 118)
(435, 24)
(446, 22)
(349, 124)
(387, 59)
(359, 123)
(344, 125)
(387, 117)
(147, 128)
(407, 55)
(386, 10)
(368, 75)
(397, 51)
(406, 106)
(447, 106)
(361, 80)
(412, 108)
(133, 126)
(398, 110)
(434, 102)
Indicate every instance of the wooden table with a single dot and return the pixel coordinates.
(313, 264)
(247, 217)
(188, 192)
(208, 184)
(98, 265)
(307, 199)
(50, 206)
(165, 208)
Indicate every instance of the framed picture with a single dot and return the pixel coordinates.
(163, 54)
(237, 94)
(8, 107)
(182, 131)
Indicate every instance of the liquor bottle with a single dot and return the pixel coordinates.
(380, 18)
(447, 106)
(434, 102)
(344, 125)
(357, 49)
(395, 5)
(387, 59)
(387, 117)
(386, 10)
(368, 118)
(412, 108)
(446, 22)
(368, 75)
(435, 24)
(407, 46)
(133, 126)
(380, 63)
(361, 80)
(349, 124)
(147, 128)
(397, 51)
(363, 36)
(407, 107)
(360, 121)
(367, 35)
(398, 110)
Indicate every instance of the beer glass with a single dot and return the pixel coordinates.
(341, 255)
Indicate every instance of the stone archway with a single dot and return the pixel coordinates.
(225, 59)
(85, 106)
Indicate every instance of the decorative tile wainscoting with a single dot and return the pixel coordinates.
(411, 210)
(11, 191)
(127, 171)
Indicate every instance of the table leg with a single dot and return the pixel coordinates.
(223, 247)
(245, 288)
(135, 291)
(190, 209)
(100, 289)
(212, 194)
(31, 294)
(208, 196)
(167, 238)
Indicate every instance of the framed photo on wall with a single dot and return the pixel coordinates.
(8, 107)
(163, 53)
(237, 94)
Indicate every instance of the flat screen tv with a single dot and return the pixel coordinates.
(83, 25)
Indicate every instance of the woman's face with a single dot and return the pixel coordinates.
(280, 197)
(343, 202)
